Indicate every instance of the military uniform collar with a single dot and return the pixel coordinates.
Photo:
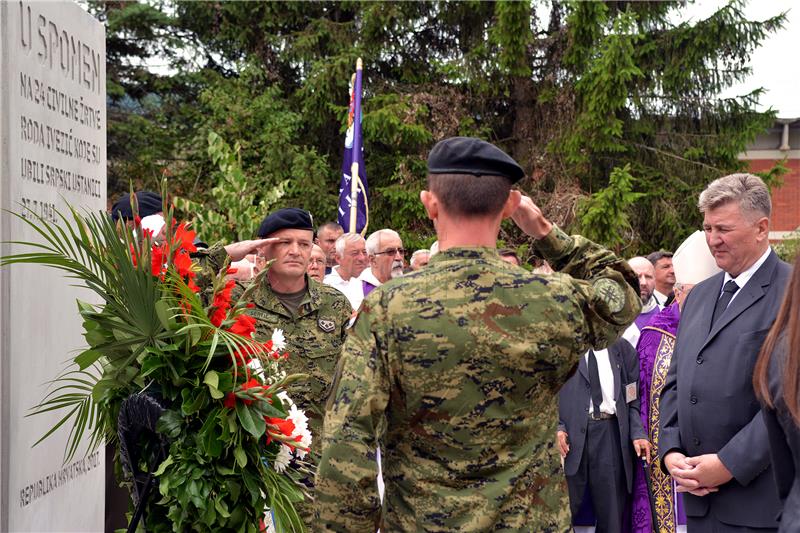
(265, 297)
(472, 252)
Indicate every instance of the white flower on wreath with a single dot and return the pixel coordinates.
(300, 421)
(278, 340)
(282, 459)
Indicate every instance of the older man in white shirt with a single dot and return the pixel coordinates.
(351, 252)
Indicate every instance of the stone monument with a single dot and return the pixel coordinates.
(52, 153)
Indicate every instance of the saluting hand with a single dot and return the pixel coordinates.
(530, 219)
(238, 250)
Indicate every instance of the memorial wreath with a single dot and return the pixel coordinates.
(200, 411)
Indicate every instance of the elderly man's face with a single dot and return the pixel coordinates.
(326, 239)
(291, 253)
(316, 264)
(421, 260)
(354, 259)
(388, 261)
(736, 241)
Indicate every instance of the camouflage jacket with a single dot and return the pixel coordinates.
(313, 338)
(453, 371)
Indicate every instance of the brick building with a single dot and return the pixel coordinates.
(781, 141)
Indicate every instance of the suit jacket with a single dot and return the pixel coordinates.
(784, 444)
(708, 404)
(573, 408)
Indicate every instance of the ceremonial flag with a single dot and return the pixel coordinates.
(353, 191)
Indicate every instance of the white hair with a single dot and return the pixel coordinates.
(418, 253)
(343, 239)
(374, 240)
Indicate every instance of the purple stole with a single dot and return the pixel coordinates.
(656, 345)
(367, 287)
(644, 318)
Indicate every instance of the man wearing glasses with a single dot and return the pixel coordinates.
(316, 264)
(386, 260)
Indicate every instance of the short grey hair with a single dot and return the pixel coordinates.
(343, 239)
(374, 240)
(748, 190)
(417, 254)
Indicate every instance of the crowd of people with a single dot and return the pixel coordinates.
(439, 377)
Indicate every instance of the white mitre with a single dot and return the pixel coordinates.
(693, 261)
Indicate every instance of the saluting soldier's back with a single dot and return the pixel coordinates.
(477, 351)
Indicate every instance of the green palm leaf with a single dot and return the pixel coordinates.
(94, 252)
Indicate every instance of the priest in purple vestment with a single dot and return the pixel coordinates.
(693, 263)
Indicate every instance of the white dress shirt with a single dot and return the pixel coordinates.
(742, 279)
(660, 298)
(350, 288)
(606, 382)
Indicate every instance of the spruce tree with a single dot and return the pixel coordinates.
(575, 91)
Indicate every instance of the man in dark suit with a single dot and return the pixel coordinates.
(598, 410)
(713, 439)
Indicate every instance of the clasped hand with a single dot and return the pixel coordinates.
(700, 475)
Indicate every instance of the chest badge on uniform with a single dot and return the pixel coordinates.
(326, 325)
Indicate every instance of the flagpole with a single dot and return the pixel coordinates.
(354, 179)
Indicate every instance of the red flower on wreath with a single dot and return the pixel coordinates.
(157, 260)
(285, 426)
(252, 383)
(185, 238)
(229, 401)
(221, 304)
(245, 353)
(245, 326)
(183, 263)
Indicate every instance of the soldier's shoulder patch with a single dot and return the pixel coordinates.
(610, 293)
(326, 325)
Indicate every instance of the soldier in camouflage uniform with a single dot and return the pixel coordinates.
(313, 316)
(453, 369)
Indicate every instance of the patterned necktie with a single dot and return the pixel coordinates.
(594, 384)
(728, 291)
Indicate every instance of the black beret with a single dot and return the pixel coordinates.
(149, 202)
(288, 218)
(467, 155)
